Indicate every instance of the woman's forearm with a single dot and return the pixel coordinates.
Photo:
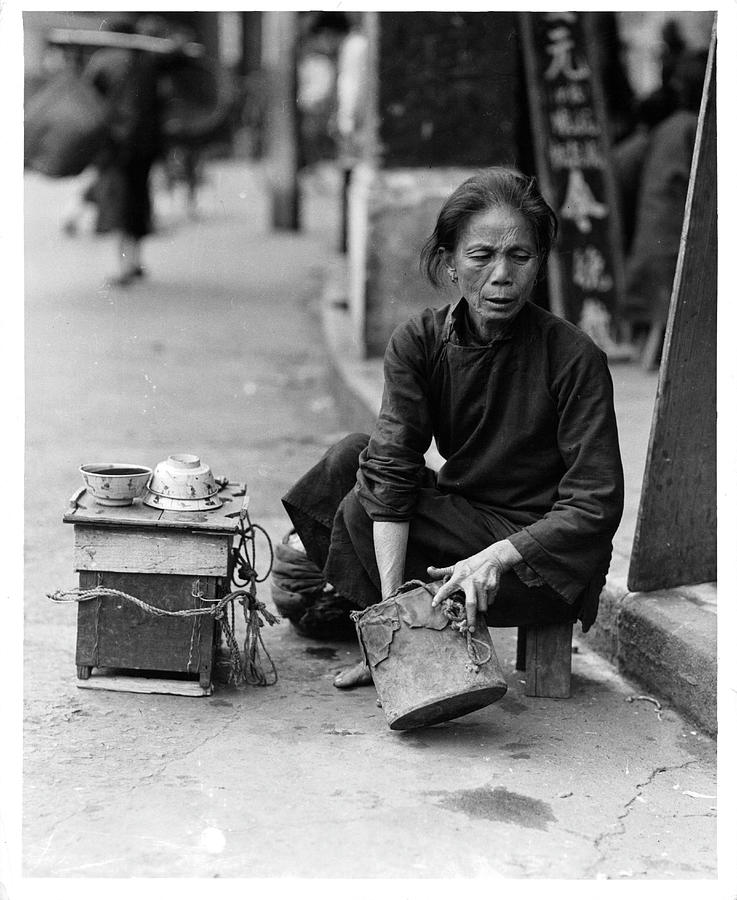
(390, 546)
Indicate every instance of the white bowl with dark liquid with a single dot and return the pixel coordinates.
(115, 484)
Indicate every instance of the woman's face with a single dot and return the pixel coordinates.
(495, 261)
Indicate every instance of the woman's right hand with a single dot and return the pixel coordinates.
(477, 577)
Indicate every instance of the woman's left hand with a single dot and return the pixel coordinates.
(477, 577)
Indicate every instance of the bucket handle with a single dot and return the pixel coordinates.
(411, 585)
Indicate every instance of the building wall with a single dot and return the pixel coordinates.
(449, 98)
(449, 89)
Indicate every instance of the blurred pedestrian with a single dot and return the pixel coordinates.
(351, 112)
(128, 80)
(82, 209)
(630, 150)
(180, 160)
(317, 75)
(628, 159)
(661, 201)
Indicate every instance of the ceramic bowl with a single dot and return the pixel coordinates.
(115, 484)
(182, 477)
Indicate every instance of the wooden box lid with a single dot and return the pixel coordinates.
(83, 510)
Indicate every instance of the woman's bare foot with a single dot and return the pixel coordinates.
(356, 676)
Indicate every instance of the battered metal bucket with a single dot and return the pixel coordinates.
(425, 669)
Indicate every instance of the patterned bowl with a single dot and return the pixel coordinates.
(115, 484)
(182, 482)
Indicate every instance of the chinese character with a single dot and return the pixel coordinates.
(580, 205)
(574, 123)
(562, 56)
(589, 268)
(569, 93)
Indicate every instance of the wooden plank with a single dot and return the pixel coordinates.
(279, 36)
(115, 633)
(146, 551)
(82, 37)
(141, 685)
(521, 658)
(84, 509)
(211, 635)
(573, 163)
(548, 663)
(221, 519)
(675, 538)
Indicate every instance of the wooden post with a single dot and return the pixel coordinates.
(521, 660)
(675, 539)
(279, 59)
(344, 192)
(548, 661)
(252, 42)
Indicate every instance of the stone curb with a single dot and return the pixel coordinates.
(666, 640)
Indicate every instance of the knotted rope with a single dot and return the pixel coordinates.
(454, 610)
(244, 567)
(248, 671)
(245, 558)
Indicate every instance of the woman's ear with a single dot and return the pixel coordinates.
(449, 263)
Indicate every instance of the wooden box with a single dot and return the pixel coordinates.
(173, 561)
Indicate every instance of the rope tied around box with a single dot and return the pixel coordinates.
(255, 614)
(247, 670)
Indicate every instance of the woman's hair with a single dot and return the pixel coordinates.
(497, 186)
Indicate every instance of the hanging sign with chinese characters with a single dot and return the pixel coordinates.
(574, 169)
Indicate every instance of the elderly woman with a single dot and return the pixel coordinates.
(521, 516)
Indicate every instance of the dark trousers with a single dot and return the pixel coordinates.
(123, 196)
(338, 537)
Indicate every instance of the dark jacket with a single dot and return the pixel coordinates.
(526, 425)
(128, 81)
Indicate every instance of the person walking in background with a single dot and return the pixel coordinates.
(661, 201)
(181, 161)
(317, 85)
(350, 117)
(127, 80)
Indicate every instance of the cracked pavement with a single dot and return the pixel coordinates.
(219, 353)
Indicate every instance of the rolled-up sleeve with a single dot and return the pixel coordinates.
(569, 542)
(391, 466)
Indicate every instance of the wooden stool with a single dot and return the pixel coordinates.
(544, 654)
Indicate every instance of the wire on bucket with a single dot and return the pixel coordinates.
(454, 609)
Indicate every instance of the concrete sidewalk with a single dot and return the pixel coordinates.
(220, 352)
(665, 639)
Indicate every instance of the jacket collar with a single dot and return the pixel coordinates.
(459, 311)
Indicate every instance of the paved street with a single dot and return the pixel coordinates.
(219, 353)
